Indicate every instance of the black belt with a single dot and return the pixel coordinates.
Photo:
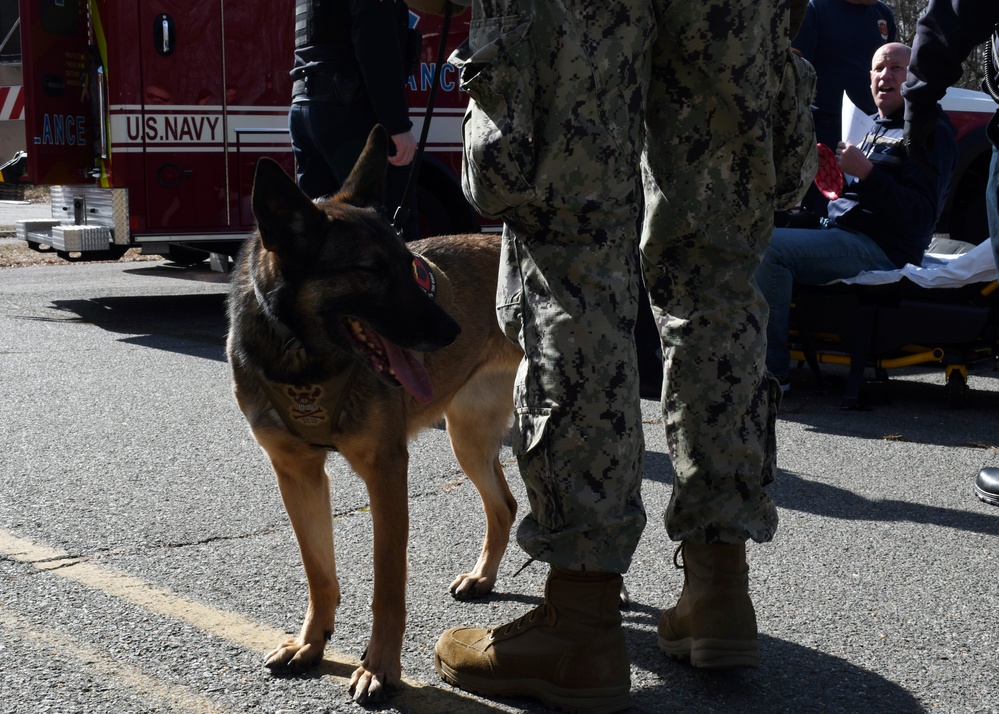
(340, 87)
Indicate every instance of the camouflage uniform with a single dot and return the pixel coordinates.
(575, 106)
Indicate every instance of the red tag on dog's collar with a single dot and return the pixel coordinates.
(424, 276)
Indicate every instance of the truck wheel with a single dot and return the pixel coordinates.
(444, 212)
(186, 257)
(433, 219)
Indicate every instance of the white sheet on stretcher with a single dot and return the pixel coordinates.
(938, 271)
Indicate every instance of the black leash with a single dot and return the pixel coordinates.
(402, 213)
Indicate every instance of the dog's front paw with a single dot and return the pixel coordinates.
(470, 586)
(294, 656)
(369, 687)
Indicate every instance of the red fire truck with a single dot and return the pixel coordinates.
(147, 118)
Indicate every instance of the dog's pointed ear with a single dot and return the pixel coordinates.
(286, 217)
(366, 184)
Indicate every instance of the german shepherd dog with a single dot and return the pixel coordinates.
(334, 345)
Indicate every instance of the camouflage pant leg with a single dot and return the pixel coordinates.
(570, 278)
(709, 188)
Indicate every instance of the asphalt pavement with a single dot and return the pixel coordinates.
(12, 211)
(147, 564)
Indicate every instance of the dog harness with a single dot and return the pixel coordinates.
(312, 411)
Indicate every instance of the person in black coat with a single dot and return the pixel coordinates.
(352, 63)
(946, 34)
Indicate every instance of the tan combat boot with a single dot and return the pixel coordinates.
(569, 652)
(713, 623)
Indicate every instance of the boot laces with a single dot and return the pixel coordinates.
(522, 567)
(541, 611)
(677, 555)
(680, 560)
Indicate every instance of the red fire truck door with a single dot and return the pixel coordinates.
(57, 118)
(181, 123)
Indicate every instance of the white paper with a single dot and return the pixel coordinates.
(856, 126)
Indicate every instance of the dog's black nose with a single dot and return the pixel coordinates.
(446, 331)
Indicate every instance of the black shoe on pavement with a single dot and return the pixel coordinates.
(987, 485)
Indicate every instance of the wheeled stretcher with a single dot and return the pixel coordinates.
(945, 311)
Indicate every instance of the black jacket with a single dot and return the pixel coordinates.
(945, 35)
(899, 204)
(364, 39)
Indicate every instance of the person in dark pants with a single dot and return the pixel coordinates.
(352, 61)
(946, 34)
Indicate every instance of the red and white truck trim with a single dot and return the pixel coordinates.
(147, 117)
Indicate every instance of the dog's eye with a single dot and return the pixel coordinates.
(341, 269)
(373, 268)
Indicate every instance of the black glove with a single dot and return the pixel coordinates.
(920, 132)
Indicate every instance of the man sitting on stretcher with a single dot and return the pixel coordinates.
(881, 219)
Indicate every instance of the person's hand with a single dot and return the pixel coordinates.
(405, 149)
(920, 132)
(852, 160)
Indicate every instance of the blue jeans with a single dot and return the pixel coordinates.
(810, 257)
(992, 202)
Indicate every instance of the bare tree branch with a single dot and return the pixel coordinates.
(907, 13)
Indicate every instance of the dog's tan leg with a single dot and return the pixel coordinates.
(305, 490)
(478, 419)
(383, 467)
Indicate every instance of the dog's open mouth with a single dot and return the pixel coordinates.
(397, 366)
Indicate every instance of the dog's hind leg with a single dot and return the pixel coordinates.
(478, 419)
(304, 485)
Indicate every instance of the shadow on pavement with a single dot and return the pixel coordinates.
(798, 493)
(791, 678)
(194, 325)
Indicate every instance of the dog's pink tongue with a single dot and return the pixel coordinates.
(410, 372)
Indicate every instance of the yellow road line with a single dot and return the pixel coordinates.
(228, 625)
(175, 697)
(417, 696)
